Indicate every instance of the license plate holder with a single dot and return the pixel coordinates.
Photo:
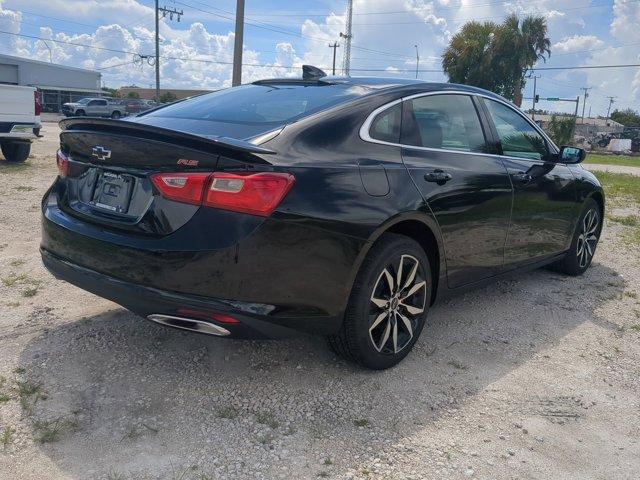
(112, 192)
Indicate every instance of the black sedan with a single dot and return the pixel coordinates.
(325, 205)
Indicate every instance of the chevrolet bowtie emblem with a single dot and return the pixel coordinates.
(100, 153)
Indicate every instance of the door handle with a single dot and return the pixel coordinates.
(438, 176)
(522, 177)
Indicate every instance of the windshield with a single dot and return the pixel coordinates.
(261, 104)
(83, 101)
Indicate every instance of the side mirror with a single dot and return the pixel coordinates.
(571, 154)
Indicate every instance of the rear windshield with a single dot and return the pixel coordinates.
(261, 104)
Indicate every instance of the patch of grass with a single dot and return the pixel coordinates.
(4, 398)
(267, 418)
(14, 279)
(115, 475)
(457, 365)
(227, 412)
(48, 431)
(323, 474)
(636, 327)
(7, 436)
(19, 370)
(629, 220)
(13, 304)
(17, 263)
(265, 439)
(620, 186)
(361, 422)
(23, 188)
(30, 292)
(632, 235)
(328, 461)
(28, 394)
(624, 160)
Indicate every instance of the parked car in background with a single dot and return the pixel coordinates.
(336, 206)
(94, 107)
(133, 106)
(20, 110)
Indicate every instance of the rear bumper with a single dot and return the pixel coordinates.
(255, 319)
(277, 277)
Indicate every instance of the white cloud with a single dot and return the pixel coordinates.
(577, 43)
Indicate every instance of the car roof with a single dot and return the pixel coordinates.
(385, 83)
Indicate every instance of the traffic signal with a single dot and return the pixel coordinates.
(536, 99)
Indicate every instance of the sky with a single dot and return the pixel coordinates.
(281, 35)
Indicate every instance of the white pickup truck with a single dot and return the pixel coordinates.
(20, 109)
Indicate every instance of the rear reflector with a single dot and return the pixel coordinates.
(253, 193)
(217, 317)
(37, 104)
(63, 164)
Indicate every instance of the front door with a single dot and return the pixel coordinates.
(544, 204)
(468, 191)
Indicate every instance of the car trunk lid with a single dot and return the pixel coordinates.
(110, 164)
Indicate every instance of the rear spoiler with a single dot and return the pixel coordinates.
(125, 126)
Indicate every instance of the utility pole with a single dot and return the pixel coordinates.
(584, 102)
(165, 11)
(334, 46)
(611, 100)
(535, 97)
(236, 78)
(417, 60)
(346, 59)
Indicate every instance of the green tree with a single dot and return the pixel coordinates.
(133, 95)
(520, 44)
(469, 56)
(168, 97)
(628, 117)
(497, 57)
(560, 129)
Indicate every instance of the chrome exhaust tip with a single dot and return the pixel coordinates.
(189, 324)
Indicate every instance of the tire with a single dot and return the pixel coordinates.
(367, 333)
(15, 152)
(579, 257)
(80, 113)
(115, 115)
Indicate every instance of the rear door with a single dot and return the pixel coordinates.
(97, 108)
(444, 148)
(544, 190)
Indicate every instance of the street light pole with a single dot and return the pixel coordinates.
(157, 53)
(584, 101)
(417, 60)
(335, 47)
(237, 45)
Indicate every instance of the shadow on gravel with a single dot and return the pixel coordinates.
(135, 398)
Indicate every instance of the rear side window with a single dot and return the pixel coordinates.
(262, 104)
(517, 136)
(443, 121)
(386, 125)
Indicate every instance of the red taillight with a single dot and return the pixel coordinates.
(37, 103)
(63, 164)
(181, 187)
(217, 317)
(253, 193)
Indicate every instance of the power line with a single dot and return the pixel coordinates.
(400, 12)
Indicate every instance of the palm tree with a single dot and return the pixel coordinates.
(497, 57)
(467, 60)
(521, 45)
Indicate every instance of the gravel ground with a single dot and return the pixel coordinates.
(613, 168)
(532, 377)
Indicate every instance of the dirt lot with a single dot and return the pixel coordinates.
(534, 377)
